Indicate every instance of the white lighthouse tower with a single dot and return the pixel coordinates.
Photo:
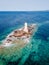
(25, 28)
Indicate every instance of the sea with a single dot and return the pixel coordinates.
(34, 53)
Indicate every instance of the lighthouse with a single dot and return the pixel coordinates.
(25, 28)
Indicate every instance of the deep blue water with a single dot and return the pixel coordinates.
(12, 20)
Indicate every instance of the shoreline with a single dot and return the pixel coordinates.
(10, 39)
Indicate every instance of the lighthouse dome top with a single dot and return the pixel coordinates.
(25, 23)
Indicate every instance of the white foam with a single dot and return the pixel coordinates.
(7, 44)
(10, 34)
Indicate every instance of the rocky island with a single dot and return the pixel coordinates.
(21, 35)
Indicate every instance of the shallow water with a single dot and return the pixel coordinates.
(36, 52)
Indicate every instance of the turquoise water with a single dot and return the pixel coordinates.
(36, 52)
